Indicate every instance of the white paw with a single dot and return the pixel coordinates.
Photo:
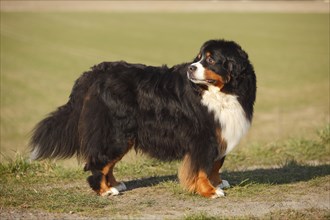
(218, 193)
(224, 184)
(121, 187)
(114, 191)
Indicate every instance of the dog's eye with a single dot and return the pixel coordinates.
(210, 61)
(211, 81)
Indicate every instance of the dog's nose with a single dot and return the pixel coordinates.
(192, 68)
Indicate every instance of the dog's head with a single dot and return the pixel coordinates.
(219, 63)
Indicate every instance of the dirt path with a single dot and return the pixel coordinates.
(160, 204)
(152, 199)
(156, 207)
(168, 6)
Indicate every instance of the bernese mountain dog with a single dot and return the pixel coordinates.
(196, 111)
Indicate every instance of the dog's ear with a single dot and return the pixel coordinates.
(229, 66)
(233, 71)
(236, 66)
(241, 73)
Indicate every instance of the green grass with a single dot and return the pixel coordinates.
(278, 153)
(45, 186)
(287, 148)
(50, 187)
(43, 53)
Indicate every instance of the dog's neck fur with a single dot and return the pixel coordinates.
(229, 113)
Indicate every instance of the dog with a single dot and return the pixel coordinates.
(196, 111)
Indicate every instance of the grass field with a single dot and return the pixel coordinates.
(291, 190)
(43, 53)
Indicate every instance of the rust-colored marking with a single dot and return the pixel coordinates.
(111, 179)
(211, 75)
(107, 171)
(186, 176)
(203, 185)
(103, 186)
(195, 182)
(107, 167)
(108, 180)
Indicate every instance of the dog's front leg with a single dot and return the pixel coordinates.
(205, 188)
(197, 180)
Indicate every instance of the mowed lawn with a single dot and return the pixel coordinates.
(281, 168)
(43, 53)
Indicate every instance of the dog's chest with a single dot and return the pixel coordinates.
(229, 114)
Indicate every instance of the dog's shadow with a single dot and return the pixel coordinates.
(290, 173)
(149, 181)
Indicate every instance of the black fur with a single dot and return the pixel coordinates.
(95, 179)
(156, 108)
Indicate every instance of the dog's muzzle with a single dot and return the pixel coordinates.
(191, 71)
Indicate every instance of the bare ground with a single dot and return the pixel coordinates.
(161, 198)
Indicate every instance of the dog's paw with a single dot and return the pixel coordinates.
(218, 193)
(224, 185)
(111, 192)
(121, 187)
(219, 189)
(114, 191)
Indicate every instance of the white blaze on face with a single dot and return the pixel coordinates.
(199, 73)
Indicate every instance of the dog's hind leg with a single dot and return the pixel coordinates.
(115, 187)
(105, 137)
(112, 186)
(103, 182)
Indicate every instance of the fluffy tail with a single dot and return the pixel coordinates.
(56, 136)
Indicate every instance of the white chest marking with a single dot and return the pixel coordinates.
(229, 113)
